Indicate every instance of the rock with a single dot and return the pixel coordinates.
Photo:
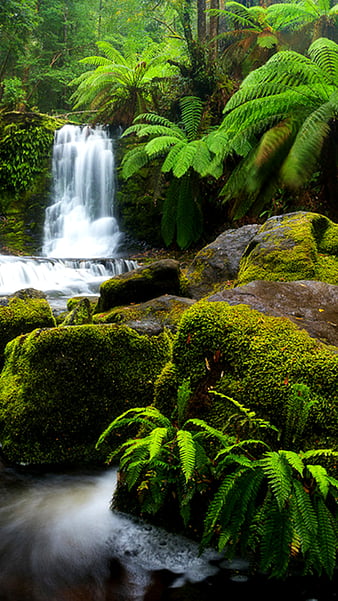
(26, 293)
(80, 314)
(21, 315)
(255, 359)
(140, 285)
(311, 305)
(61, 387)
(149, 318)
(295, 246)
(218, 262)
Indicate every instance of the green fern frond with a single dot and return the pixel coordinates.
(133, 161)
(327, 538)
(324, 53)
(304, 517)
(319, 453)
(171, 157)
(155, 441)
(187, 452)
(319, 474)
(294, 460)
(133, 472)
(237, 15)
(279, 475)
(189, 220)
(183, 395)
(184, 159)
(191, 111)
(304, 155)
(276, 540)
(169, 211)
(160, 145)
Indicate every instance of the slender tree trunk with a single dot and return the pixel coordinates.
(213, 31)
(201, 21)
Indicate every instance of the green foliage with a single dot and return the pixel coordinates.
(166, 459)
(120, 87)
(187, 156)
(281, 121)
(278, 506)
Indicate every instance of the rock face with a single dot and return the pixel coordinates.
(311, 305)
(140, 285)
(219, 261)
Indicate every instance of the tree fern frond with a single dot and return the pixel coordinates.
(171, 157)
(236, 15)
(184, 159)
(276, 540)
(133, 161)
(160, 145)
(202, 158)
(111, 52)
(324, 53)
(305, 152)
(187, 452)
(189, 221)
(191, 111)
(303, 516)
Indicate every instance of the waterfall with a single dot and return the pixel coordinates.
(81, 234)
(80, 221)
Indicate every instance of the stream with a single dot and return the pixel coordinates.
(59, 541)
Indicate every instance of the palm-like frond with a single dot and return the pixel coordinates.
(324, 53)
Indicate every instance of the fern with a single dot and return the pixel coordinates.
(187, 452)
(278, 473)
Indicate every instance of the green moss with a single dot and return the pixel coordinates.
(21, 316)
(61, 387)
(298, 246)
(254, 358)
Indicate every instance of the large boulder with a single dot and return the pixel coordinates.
(295, 246)
(255, 359)
(311, 305)
(61, 387)
(218, 262)
(140, 285)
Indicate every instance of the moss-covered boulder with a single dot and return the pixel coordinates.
(218, 262)
(140, 285)
(254, 359)
(295, 246)
(151, 317)
(61, 387)
(21, 314)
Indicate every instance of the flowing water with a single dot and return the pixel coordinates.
(82, 239)
(59, 541)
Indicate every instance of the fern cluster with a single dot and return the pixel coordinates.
(280, 506)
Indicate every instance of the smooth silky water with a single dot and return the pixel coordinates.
(59, 541)
(82, 239)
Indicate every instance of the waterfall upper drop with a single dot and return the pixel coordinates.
(80, 221)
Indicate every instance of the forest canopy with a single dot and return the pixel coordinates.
(131, 64)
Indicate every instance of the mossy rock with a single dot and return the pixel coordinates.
(295, 246)
(80, 314)
(22, 315)
(150, 318)
(61, 387)
(254, 359)
(140, 285)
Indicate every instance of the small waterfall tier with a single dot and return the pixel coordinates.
(82, 239)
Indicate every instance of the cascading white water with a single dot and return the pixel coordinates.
(81, 234)
(80, 221)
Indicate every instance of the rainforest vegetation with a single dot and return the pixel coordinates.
(225, 113)
(228, 110)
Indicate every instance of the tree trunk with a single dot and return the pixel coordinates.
(213, 31)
